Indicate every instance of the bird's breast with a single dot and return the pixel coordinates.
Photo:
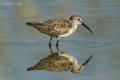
(71, 58)
(70, 32)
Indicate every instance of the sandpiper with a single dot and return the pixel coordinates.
(59, 27)
(59, 62)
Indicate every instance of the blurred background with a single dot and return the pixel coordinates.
(22, 46)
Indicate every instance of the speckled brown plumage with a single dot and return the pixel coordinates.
(53, 27)
(53, 62)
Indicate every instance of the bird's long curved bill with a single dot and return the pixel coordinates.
(86, 27)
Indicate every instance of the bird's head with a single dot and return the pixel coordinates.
(77, 69)
(78, 21)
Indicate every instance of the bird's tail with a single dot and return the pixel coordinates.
(39, 26)
(36, 67)
(30, 68)
(34, 24)
(87, 61)
(30, 24)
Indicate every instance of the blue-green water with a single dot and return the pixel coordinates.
(22, 46)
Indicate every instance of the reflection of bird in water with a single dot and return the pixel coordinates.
(59, 27)
(58, 62)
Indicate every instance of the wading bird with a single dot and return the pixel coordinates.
(59, 28)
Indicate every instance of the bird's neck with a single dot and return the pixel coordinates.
(71, 30)
(74, 26)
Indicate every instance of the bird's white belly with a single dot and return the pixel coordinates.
(70, 57)
(71, 31)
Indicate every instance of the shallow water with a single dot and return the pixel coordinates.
(22, 46)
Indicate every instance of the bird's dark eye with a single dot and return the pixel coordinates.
(79, 19)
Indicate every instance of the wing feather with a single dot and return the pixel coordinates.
(54, 63)
(53, 27)
(58, 26)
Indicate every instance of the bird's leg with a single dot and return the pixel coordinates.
(50, 48)
(57, 43)
(50, 42)
(57, 47)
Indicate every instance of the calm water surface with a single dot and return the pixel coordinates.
(22, 46)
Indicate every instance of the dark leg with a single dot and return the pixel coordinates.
(57, 43)
(57, 47)
(50, 41)
(50, 48)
